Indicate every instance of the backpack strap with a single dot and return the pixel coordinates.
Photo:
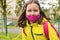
(46, 31)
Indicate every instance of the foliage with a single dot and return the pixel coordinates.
(18, 6)
(59, 4)
(1, 7)
(55, 17)
(53, 7)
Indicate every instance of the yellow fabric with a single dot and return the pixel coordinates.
(52, 33)
(38, 32)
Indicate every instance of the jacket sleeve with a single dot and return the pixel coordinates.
(52, 33)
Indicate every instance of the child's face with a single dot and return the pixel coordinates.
(32, 9)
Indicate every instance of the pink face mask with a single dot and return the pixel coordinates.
(33, 18)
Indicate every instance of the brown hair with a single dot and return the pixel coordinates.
(22, 18)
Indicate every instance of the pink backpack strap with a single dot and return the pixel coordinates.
(45, 26)
(46, 31)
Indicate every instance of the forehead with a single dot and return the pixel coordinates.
(32, 5)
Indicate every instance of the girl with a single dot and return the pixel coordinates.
(34, 23)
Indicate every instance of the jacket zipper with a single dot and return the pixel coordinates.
(32, 34)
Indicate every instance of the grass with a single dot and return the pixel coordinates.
(11, 26)
(10, 36)
(8, 27)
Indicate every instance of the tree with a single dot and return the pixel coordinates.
(52, 6)
(3, 6)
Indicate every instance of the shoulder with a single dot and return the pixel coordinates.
(44, 20)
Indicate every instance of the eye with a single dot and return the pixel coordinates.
(35, 10)
(29, 10)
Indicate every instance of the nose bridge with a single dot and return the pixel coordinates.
(32, 12)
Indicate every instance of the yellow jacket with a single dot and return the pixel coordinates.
(36, 32)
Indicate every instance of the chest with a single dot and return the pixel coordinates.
(35, 29)
(36, 32)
